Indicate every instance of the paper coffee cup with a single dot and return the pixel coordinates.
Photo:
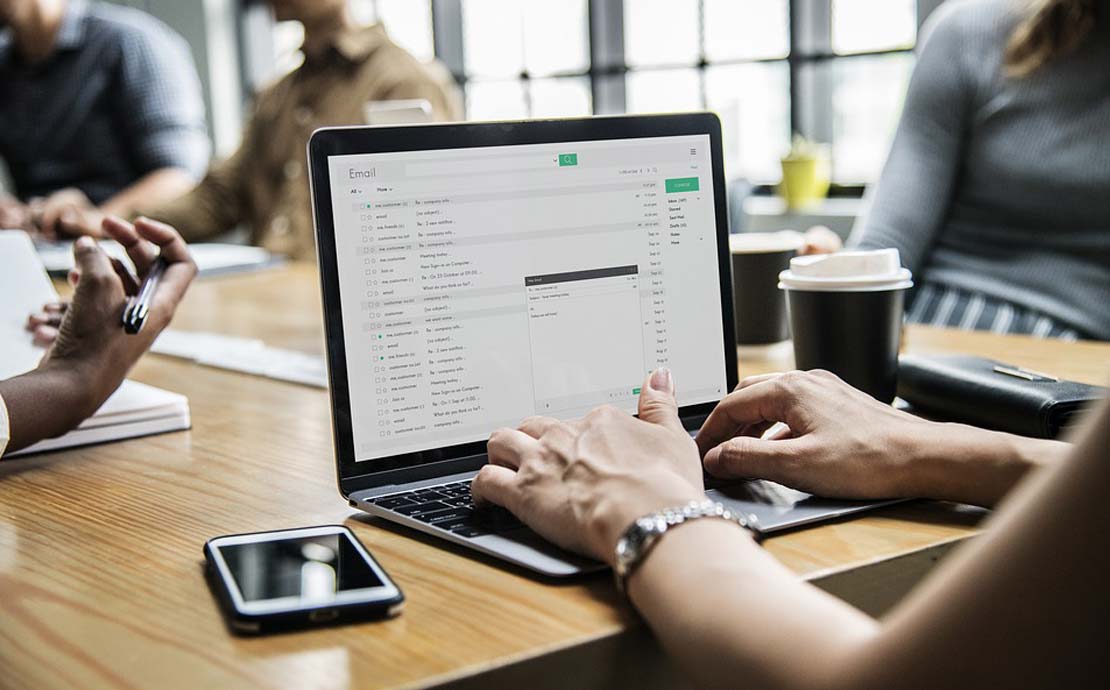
(758, 307)
(846, 316)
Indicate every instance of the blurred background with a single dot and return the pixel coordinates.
(834, 71)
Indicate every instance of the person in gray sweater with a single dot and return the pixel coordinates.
(997, 188)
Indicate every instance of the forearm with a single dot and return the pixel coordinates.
(210, 208)
(155, 187)
(47, 402)
(732, 615)
(955, 462)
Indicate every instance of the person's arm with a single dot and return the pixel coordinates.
(913, 194)
(214, 206)
(92, 354)
(69, 212)
(163, 183)
(159, 113)
(1024, 606)
(843, 443)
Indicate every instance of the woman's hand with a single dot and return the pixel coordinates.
(580, 484)
(842, 443)
(820, 240)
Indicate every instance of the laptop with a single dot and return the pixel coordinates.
(475, 274)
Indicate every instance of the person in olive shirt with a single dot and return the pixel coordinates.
(264, 185)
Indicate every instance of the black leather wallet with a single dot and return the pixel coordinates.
(992, 394)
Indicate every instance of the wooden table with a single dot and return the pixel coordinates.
(100, 548)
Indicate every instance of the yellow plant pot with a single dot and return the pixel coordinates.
(805, 181)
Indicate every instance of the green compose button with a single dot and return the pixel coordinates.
(682, 184)
(566, 159)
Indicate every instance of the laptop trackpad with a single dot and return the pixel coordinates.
(525, 547)
(779, 507)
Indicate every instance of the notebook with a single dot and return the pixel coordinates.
(135, 409)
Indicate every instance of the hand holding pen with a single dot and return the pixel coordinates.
(115, 314)
(155, 249)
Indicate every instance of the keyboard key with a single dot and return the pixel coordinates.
(469, 532)
(460, 502)
(454, 524)
(417, 510)
(391, 502)
(428, 495)
(496, 519)
(449, 514)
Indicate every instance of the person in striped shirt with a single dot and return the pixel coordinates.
(994, 191)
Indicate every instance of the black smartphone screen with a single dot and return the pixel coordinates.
(312, 569)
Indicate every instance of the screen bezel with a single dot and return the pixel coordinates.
(386, 592)
(339, 141)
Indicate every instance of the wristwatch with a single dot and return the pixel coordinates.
(642, 535)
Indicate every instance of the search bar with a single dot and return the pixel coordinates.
(477, 166)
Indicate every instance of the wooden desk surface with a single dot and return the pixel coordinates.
(101, 579)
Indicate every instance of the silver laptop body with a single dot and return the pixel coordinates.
(475, 274)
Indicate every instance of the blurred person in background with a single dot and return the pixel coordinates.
(264, 184)
(995, 188)
(102, 111)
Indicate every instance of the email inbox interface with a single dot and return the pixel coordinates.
(480, 286)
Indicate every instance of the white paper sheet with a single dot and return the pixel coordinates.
(24, 288)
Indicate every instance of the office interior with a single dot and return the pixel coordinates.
(242, 416)
(833, 72)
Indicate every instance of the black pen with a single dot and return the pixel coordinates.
(134, 316)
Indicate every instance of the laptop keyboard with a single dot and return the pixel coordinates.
(450, 507)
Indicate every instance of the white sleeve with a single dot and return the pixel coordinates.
(5, 430)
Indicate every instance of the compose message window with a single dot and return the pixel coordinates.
(587, 344)
(480, 286)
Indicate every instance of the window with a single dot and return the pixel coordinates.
(528, 58)
(833, 70)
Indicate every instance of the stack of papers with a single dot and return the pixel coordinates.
(245, 355)
(212, 258)
(135, 409)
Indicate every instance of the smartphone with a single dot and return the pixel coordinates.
(298, 578)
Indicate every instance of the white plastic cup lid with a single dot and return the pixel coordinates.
(864, 271)
(765, 242)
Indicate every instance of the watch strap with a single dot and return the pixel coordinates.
(638, 540)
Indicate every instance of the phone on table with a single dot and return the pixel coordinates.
(298, 578)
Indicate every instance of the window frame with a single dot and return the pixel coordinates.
(809, 56)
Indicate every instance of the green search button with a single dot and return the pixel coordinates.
(566, 159)
(681, 184)
(635, 391)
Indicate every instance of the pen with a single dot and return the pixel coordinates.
(134, 316)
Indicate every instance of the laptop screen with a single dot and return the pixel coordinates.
(479, 286)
